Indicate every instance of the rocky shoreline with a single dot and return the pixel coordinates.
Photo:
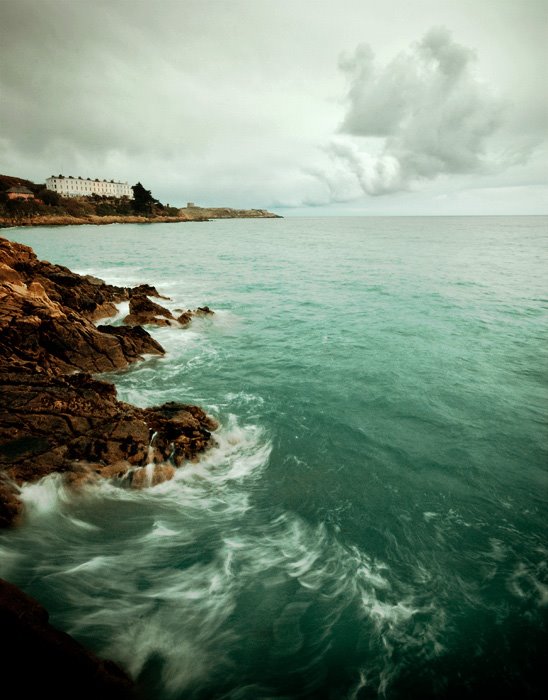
(185, 215)
(40, 661)
(56, 417)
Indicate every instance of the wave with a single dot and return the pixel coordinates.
(180, 576)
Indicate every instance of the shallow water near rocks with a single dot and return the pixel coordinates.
(372, 521)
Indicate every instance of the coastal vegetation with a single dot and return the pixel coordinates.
(39, 206)
(46, 204)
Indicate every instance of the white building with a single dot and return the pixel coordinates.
(80, 187)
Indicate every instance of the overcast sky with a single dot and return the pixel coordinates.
(301, 106)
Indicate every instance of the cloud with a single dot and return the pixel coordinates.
(232, 103)
(423, 115)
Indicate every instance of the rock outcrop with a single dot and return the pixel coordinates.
(143, 311)
(75, 424)
(35, 328)
(193, 212)
(55, 417)
(40, 661)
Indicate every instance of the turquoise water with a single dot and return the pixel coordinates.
(372, 522)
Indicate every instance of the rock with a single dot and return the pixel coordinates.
(8, 274)
(76, 425)
(54, 417)
(135, 341)
(11, 507)
(88, 295)
(40, 661)
(182, 413)
(35, 328)
(185, 318)
(203, 311)
(145, 477)
(181, 432)
(146, 290)
(143, 311)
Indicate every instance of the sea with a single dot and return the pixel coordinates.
(372, 520)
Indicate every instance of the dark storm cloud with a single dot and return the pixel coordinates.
(69, 83)
(234, 102)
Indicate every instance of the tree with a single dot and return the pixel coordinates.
(49, 197)
(143, 201)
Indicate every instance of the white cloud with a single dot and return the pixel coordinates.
(241, 103)
(427, 108)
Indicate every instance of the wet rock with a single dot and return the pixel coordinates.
(75, 424)
(145, 477)
(11, 507)
(203, 311)
(40, 661)
(135, 341)
(185, 318)
(84, 294)
(54, 416)
(181, 431)
(143, 311)
(146, 290)
(35, 328)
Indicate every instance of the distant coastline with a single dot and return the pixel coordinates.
(25, 203)
(95, 220)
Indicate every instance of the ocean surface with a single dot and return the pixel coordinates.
(372, 522)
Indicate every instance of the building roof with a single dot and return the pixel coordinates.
(20, 190)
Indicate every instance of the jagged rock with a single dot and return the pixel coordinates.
(40, 661)
(11, 507)
(146, 290)
(203, 311)
(75, 424)
(181, 431)
(54, 416)
(144, 311)
(135, 340)
(86, 294)
(185, 318)
(35, 328)
(151, 475)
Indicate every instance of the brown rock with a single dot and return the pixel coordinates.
(203, 311)
(75, 424)
(8, 274)
(35, 328)
(143, 311)
(151, 475)
(10, 505)
(54, 417)
(40, 661)
(86, 294)
(146, 290)
(185, 318)
(135, 341)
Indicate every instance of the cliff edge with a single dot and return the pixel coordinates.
(55, 416)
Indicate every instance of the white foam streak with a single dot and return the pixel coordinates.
(122, 310)
(45, 496)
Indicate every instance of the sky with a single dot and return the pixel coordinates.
(304, 107)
